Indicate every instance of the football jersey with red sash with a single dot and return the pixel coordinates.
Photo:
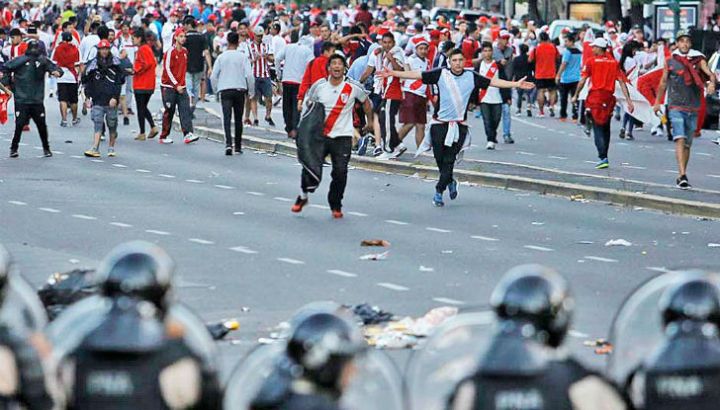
(489, 95)
(417, 87)
(339, 102)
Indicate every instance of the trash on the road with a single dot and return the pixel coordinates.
(63, 289)
(375, 256)
(618, 242)
(221, 329)
(578, 198)
(391, 340)
(585, 242)
(375, 242)
(68, 141)
(408, 332)
(601, 346)
(426, 269)
(244, 309)
(370, 315)
(714, 245)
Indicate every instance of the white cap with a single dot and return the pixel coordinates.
(599, 42)
(259, 30)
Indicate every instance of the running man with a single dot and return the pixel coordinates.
(448, 131)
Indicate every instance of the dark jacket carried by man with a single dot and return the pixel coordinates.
(103, 79)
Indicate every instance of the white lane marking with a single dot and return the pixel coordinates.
(556, 157)
(394, 222)
(392, 286)
(201, 241)
(85, 217)
(76, 156)
(97, 160)
(539, 248)
(704, 154)
(37, 148)
(143, 171)
(23, 144)
(238, 213)
(253, 193)
(356, 213)
(341, 273)
(17, 202)
(156, 232)
(485, 238)
(58, 152)
(291, 261)
(601, 259)
(166, 176)
(242, 249)
(51, 210)
(710, 175)
(633, 167)
(449, 301)
(319, 206)
(282, 199)
(530, 154)
(430, 228)
(119, 166)
(578, 334)
(660, 269)
(224, 187)
(194, 181)
(589, 162)
(670, 171)
(121, 225)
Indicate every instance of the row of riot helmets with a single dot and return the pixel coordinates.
(135, 347)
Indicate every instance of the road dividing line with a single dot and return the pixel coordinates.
(156, 232)
(710, 175)
(601, 259)
(242, 249)
(120, 225)
(254, 193)
(485, 238)
(557, 157)
(77, 156)
(704, 154)
(430, 228)
(166, 176)
(201, 241)
(578, 334)
(291, 261)
(392, 286)
(119, 166)
(356, 213)
(539, 248)
(85, 217)
(449, 301)
(660, 269)
(632, 167)
(394, 222)
(342, 273)
(529, 154)
(282, 199)
(194, 181)
(224, 187)
(142, 171)
(97, 160)
(325, 207)
(51, 210)
(17, 203)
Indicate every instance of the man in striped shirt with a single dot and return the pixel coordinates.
(260, 56)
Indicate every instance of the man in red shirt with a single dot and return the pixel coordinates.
(603, 71)
(174, 92)
(315, 70)
(470, 44)
(545, 56)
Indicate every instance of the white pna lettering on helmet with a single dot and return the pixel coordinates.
(519, 400)
(679, 386)
(109, 383)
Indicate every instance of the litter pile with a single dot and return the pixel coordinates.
(600, 346)
(375, 256)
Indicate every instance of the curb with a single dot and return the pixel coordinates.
(545, 187)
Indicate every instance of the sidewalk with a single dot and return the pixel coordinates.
(556, 176)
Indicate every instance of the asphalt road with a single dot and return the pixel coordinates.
(226, 221)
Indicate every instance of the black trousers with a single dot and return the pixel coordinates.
(492, 114)
(289, 103)
(172, 100)
(445, 156)
(339, 150)
(566, 90)
(602, 139)
(23, 114)
(233, 104)
(387, 117)
(142, 99)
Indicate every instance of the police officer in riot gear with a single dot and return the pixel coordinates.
(315, 368)
(136, 354)
(683, 371)
(523, 367)
(22, 377)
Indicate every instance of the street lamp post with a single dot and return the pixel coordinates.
(675, 7)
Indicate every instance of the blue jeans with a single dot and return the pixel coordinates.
(506, 119)
(683, 125)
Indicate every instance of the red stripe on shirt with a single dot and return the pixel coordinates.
(337, 109)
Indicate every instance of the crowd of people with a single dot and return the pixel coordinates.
(134, 344)
(250, 55)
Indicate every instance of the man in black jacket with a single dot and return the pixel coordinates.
(103, 82)
(28, 72)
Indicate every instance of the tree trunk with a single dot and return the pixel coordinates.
(533, 10)
(636, 13)
(613, 10)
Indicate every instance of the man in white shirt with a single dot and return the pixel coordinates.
(89, 43)
(413, 110)
(167, 31)
(294, 58)
(338, 95)
(490, 98)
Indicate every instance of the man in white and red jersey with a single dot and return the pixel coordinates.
(489, 98)
(261, 55)
(16, 47)
(338, 95)
(413, 110)
(69, 27)
(174, 90)
(389, 89)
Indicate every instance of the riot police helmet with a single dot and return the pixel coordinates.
(697, 300)
(321, 345)
(139, 270)
(537, 295)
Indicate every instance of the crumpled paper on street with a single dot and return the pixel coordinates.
(618, 242)
(407, 332)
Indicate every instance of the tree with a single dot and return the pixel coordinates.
(533, 10)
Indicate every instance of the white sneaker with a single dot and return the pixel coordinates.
(490, 145)
(165, 140)
(386, 155)
(399, 150)
(190, 138)
(717, 141)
